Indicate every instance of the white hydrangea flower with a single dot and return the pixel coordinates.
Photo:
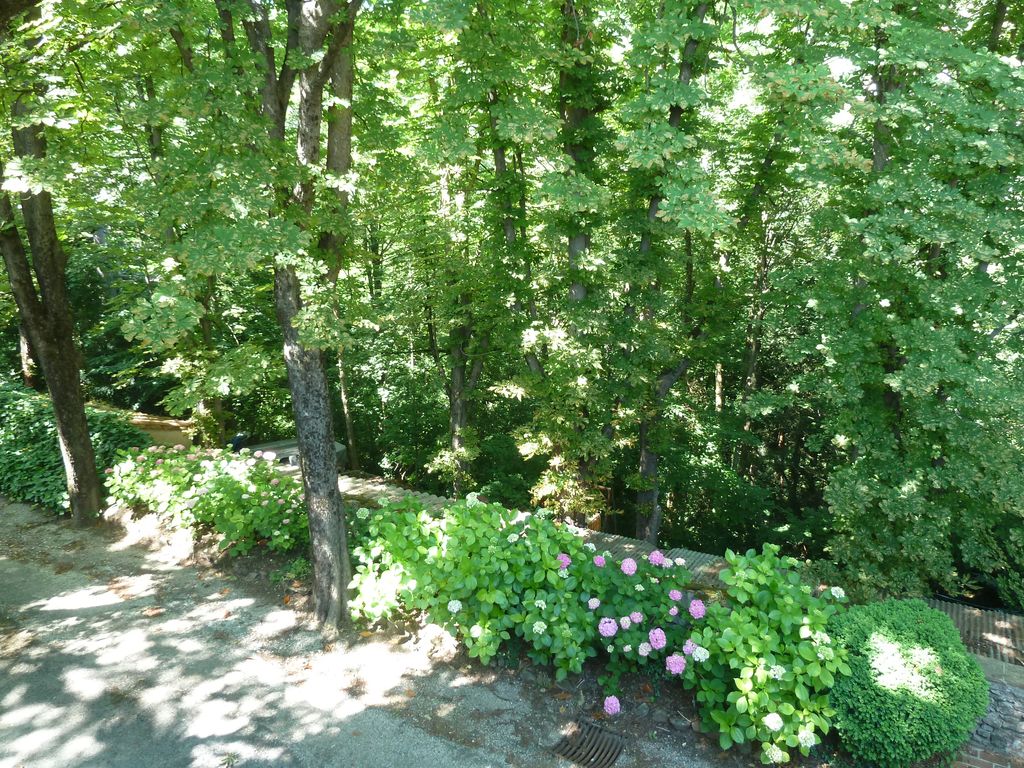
(611, 648)
(593, 603)
(680, 561)
(476, 631)
(540, 604)
(590, 546)
(773, 721)
(820, 638)
(700, 654)
(838, 593)
(806, 738)
(513, 538)
(639, 587)
(776, 672)
(644, 649)
(774, 753)
(539, 627)
(563, 572)
(627, 648)
(454, 606)
(362, 513)
(625, 622)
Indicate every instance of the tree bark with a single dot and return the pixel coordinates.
(45, 315)
(350, 431)
(315, 431)
(28, 359)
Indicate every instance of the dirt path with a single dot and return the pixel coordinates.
(112, 655)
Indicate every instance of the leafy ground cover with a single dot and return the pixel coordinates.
(31, 468)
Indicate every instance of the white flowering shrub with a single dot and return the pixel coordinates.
(237, 495)
(771, 662)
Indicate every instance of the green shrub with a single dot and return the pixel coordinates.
(31, 468)
(238, 495)
(490, 575)
(484, 573)
(771, 663)
(915, 691)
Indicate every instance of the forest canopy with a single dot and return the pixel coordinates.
(712, 274)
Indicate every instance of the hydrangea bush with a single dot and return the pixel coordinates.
(239, 495)
(643, 619)
(771, 662)
(485, 572)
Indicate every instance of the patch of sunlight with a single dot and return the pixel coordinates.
(83, 684)
(91, 597)
(1002, 640)
(216, 717)
(899, 668)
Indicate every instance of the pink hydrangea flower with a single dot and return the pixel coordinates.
(564, 559)
(656, 558)
(599, 561)
(673, 611)
(636, 617)
(629, 566)
(612, 706)
(675, 664)
(625, 623)
(657, 638)
(697, 609)
(607, 627)
(593, 603)
(675, 594)
(688, 647)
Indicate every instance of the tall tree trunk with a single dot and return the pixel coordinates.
(45, 315)
(352, 454)
(313, 28)
(314, 428)
(648, 501)
(333, 243)
(458, 418)
(28, 359)
(648, 498)
(46, 318)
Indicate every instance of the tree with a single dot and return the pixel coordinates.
(39, 284)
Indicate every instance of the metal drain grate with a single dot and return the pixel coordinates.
(590, 745)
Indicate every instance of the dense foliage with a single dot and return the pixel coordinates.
(240, 497)
(731, 272)
(915, 692)
(772, 664)
(494, 576)
(30, 462)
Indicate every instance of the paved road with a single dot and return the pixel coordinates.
(112, 655)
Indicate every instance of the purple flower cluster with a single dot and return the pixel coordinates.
(629, 566)
(599, 561)
(697, 609)
(675, 664)
(657, 638)
(607, 627)
(564, 560)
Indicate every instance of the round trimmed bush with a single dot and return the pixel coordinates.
(914, 692)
